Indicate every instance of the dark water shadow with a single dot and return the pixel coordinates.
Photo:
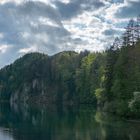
(63, 123)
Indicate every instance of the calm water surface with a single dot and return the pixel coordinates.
(63, 123)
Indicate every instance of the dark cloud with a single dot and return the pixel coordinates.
(131, 10)
(21, 28)
(109, 32)
(75, 7)
(116, 1)
(68, 10)
(27, 26)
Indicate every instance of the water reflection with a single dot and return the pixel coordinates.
(63, 123)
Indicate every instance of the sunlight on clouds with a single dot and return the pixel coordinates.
(109, 13)
(65, 1)
(3, 48)
(25, 35)
(20, 1)
(89, 29)
(16, 1)
(88, 26)
(43, 1)
(47, 21)
(1, 36)
(27, 50)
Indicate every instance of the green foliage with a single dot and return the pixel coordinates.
(100, 96)
(122, 79)
(134, 104)
(88, 77)
(65, 77)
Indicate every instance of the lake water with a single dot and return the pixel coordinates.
(63, 123)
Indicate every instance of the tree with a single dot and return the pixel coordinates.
(109, 68)
(137, 28)
(117, 43)
(130, 33)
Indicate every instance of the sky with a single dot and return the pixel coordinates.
(52, 26)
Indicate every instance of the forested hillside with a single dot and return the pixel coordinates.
(120, 90)
(67, 77)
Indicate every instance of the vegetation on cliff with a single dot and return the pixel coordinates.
(65, 77)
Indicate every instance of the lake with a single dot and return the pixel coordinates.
(63, 123)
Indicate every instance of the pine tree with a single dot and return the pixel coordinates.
(137, 28)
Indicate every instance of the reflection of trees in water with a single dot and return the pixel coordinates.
(64, 123)
(114, 128)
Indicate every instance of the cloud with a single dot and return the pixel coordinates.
(27, 50)
(23, 1)
(76, 7)
(52, 26)
(113, 31)
(109, 32)
(28, 27)
(3, 48)
(130, 9)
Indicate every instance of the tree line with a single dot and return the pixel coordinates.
(120, 90)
